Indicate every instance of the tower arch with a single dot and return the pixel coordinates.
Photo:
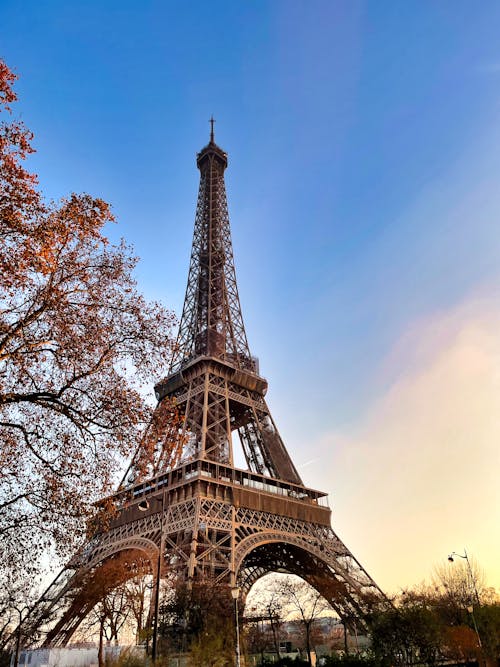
(315, 563)
(89, 583)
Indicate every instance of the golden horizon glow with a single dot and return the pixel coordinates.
(424, 462)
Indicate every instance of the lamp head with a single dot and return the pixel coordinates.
(235, 592)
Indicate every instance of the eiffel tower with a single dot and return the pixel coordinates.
(204, 517)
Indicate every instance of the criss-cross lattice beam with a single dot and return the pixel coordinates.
(211, 322)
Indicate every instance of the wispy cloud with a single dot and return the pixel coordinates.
(489, 68)
(308, 463)
(423, 467)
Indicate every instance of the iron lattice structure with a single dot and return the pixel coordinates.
(209, 520)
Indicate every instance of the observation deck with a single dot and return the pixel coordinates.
(240, 488)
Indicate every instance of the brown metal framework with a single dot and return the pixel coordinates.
(216, 522)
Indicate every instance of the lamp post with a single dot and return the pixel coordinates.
(235, 593)
(19, 635)
(143, 507)
(464, 556)
(346, 645)
(470, 608)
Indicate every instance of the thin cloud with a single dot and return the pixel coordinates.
(419, 477)
(308, 463)
(488, 68)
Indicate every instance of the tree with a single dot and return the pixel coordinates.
(102, 599)
(109, 616)
(460, 644)
(488, 621)
(460, 582)
(306, 602)
(468, 607)
(410, 633)
(138, 592)
(78, 342)
(16, 603)
(426, 625)
(255, 637)
(199, 619)
(269, 608)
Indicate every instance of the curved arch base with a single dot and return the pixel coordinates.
(210, 539)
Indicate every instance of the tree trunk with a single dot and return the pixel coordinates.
(275, 640)
(308, 642)
(140, 614)
(100, 651)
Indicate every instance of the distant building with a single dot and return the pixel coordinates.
(81, 656)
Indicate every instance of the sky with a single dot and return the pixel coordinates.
(364, 159)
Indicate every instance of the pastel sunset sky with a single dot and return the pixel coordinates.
(363, 185)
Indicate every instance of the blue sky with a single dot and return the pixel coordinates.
(363, 142)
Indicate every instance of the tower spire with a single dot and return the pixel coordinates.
(212, 121)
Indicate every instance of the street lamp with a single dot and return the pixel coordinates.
(235, 593)
(470, 608)
(19, 635)
(143, 506)
(466, 558)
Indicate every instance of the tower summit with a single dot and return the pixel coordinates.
(206, 519)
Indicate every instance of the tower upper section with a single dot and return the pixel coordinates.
(211, 323)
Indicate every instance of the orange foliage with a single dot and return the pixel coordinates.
(460, 643)
(78, 343)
